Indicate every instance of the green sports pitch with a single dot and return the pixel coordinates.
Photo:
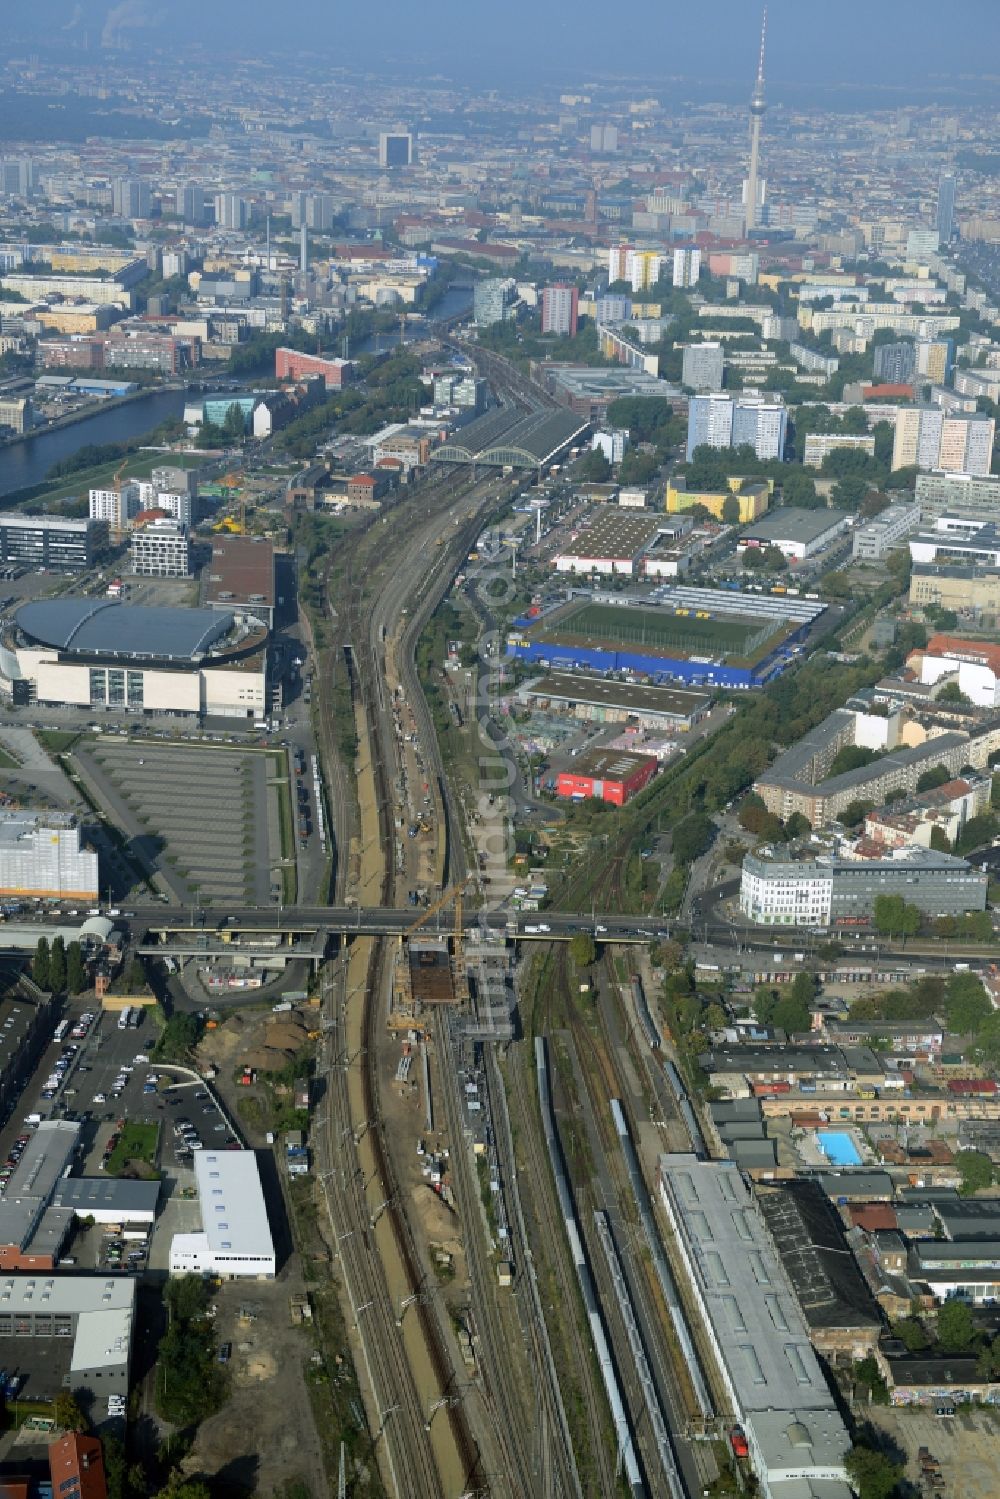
(665, 632)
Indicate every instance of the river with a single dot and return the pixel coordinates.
(455, 300)
(23, 464)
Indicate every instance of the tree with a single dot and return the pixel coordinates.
(581, 949)
(893, 917)
(855, 812)
(967, 1003)
(67, 1413)
(76, 972)
(872, 1474)
(791, 1013)
(57, 966)
(595, 467)
(976, 1171)
(955, 1327)
(912, 1333)
(868, 1376)
(797, 826)
(940, 841)
(730, 510)
(179, 1037)
(934, 777)
(40, 964)
(179, 1487)
(234, 423)
(852, 757)
(692, 837)
(977, 831)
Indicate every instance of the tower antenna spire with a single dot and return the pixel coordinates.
(758, 105)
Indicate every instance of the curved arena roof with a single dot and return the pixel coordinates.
(103, 627)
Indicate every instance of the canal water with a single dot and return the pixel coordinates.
(27, 463)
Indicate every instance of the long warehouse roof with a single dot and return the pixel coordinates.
(513, 438)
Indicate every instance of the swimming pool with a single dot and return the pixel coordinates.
(838, 1147)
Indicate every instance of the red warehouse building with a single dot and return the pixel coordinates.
(608, 775)
(289, 364)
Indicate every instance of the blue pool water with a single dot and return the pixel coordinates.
(838, 1147)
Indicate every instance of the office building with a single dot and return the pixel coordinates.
(18, 176)
(827, 889)
(895, 363)
(235, 1238)
(687, 266)
(290, 364)
(964, 494)
(45, 858)
(190, 205)
(722, 421)
(161, 548)
(876, 538)
(130, 198)
(16, 412)
(922, 245)
(946, 208)
(35, 541)
(929, 438)
(951, 586)
(702, 366)
(395, 149)
(493, 300)
(560, 310)
(753, 1325)
(752, 498)
(231, 211)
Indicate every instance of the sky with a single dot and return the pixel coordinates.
(900, 44)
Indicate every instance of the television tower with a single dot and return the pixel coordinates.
(758, 105)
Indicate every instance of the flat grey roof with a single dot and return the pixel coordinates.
(103, 627)
(788, 523)
(46, 1156)
(741, 1283)
(567, 686)
(231, 1200)
(84, 1194)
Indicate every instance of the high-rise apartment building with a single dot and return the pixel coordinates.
(560, 310)
(895, 364)
(604, 139)
(617, 261)
(723, 421)
(314, 210)
(395, 149)
(687, 266)
(643, 268)
(118, 506)
(190, 204)
(946, 208)
(231, 211)
(702, 366)
(493, 300)
(130, 198)
(934, 359)
(18, 176)
(613, 307)
(957, 443)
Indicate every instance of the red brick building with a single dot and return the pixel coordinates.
(607, 775)
(289, 364)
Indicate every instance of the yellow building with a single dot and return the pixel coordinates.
(79, 317)
(754, 496)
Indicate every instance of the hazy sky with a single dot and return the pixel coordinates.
(810, 41)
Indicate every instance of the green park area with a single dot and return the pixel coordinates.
(136, 1147)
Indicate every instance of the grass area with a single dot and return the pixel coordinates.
(660, 631)
(137, 1142)
(57, 741)
(7, 762)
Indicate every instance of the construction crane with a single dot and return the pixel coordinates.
(453, 892)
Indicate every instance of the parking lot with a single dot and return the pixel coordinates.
(965, 1446)
(211, 811)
